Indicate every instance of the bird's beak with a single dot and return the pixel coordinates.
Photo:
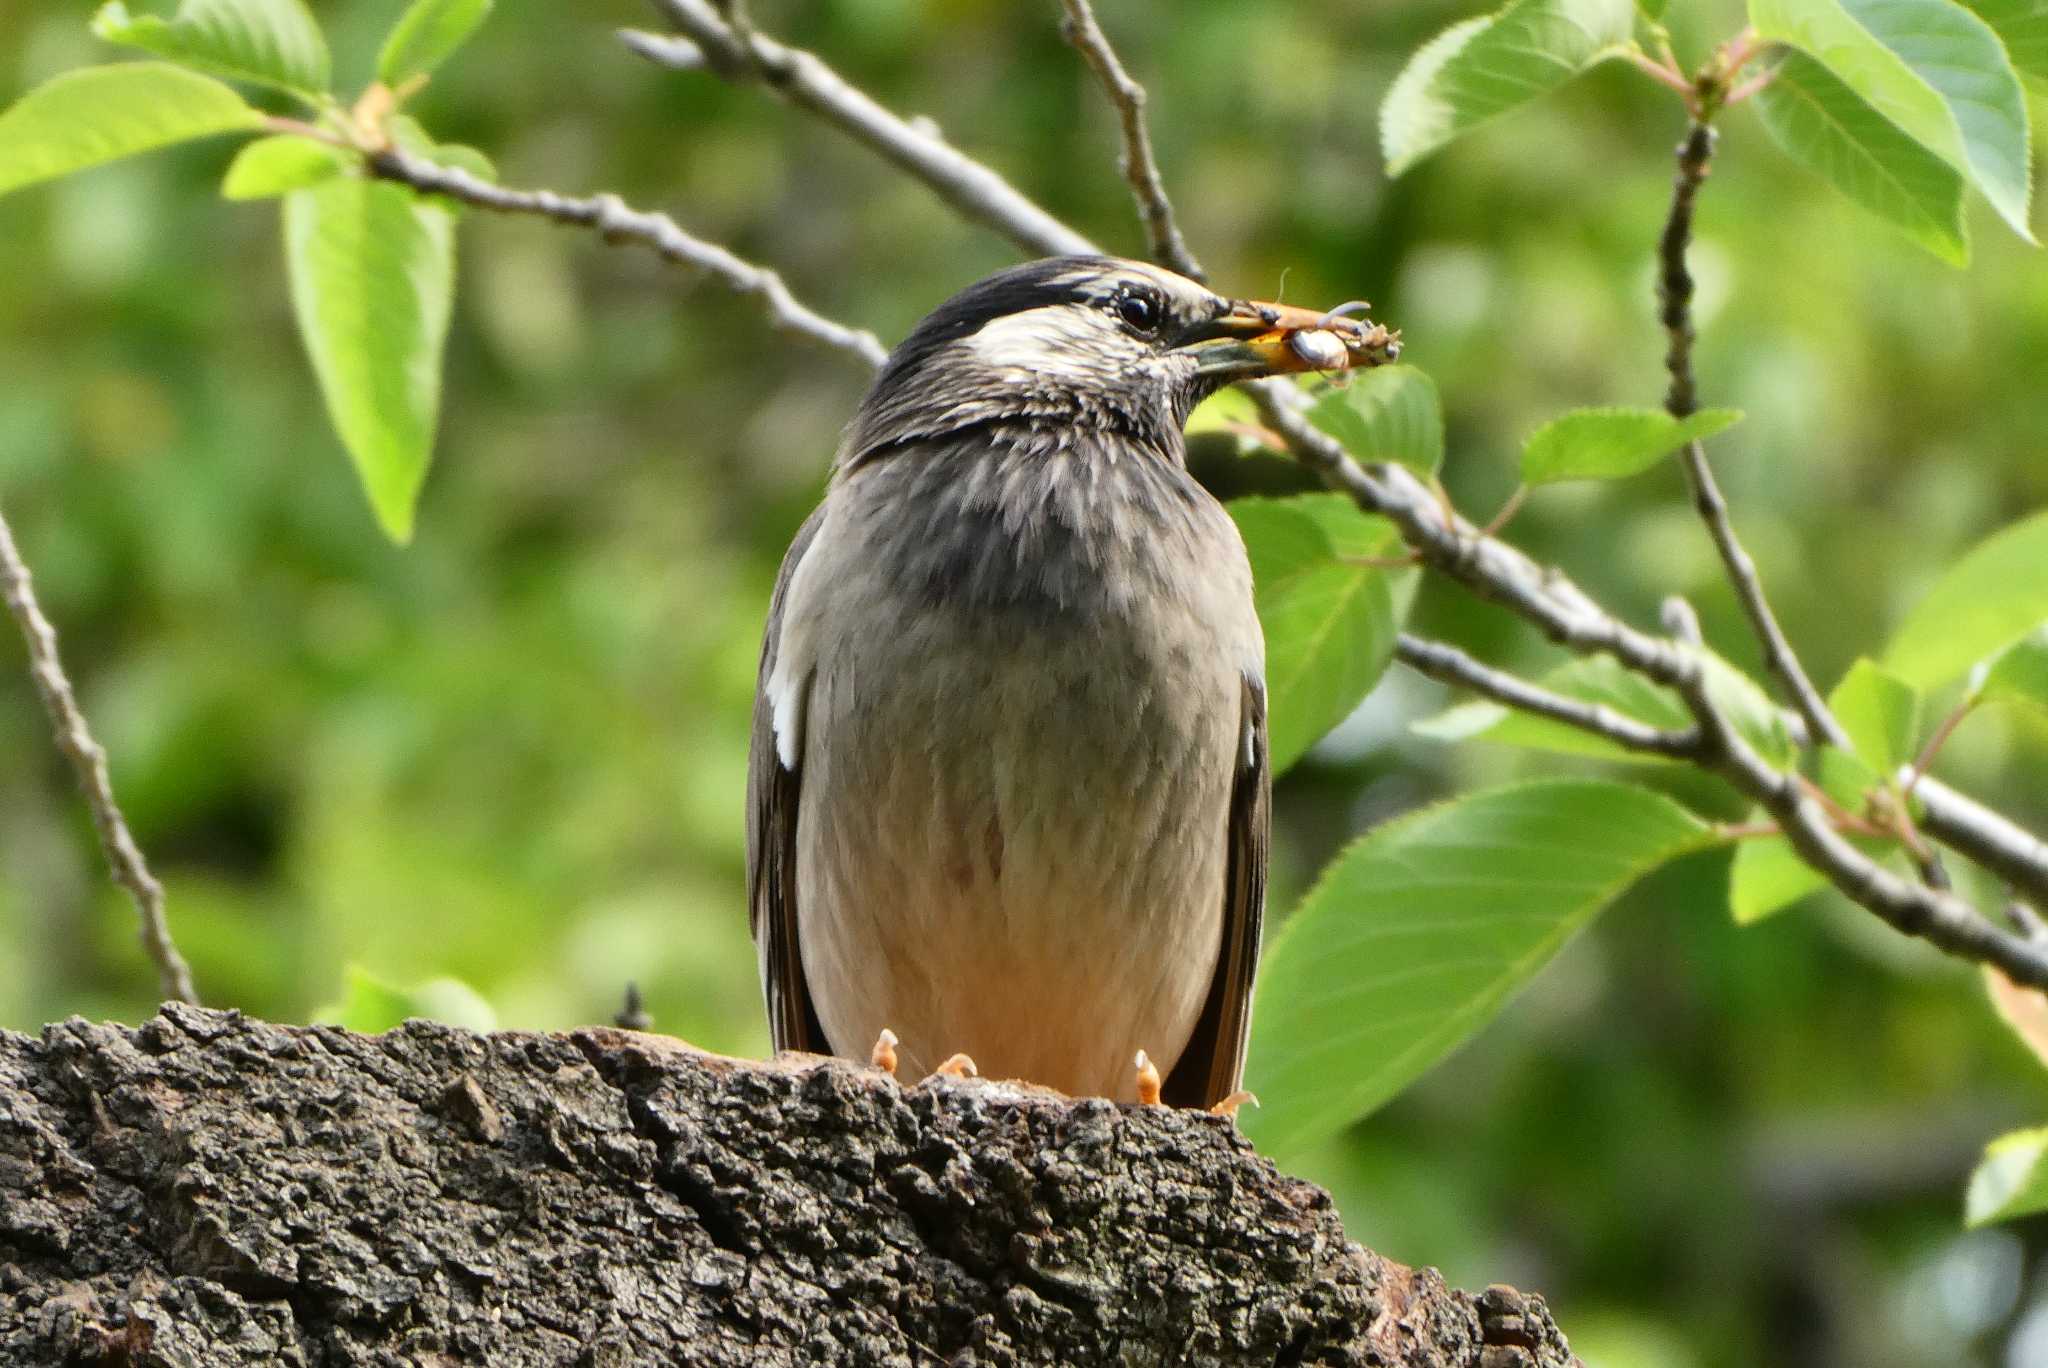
(1252, 338)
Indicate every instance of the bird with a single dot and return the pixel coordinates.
(1008, 787)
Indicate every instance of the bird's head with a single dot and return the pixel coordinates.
(1092, 342)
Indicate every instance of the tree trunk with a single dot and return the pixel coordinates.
(211, 1190)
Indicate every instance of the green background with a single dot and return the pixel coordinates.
(515, 752)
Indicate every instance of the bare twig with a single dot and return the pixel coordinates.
(806, 81)
(1139, 165)
(89, 763)
(1993, 841)
(1443, 661)
(617, 223)
(1674, 290)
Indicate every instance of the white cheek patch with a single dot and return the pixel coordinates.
(1053, 341)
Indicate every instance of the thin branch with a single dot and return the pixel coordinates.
(1993, 841)
(617, 223)
(89, 763)
(1443, 661)
(803, 79)
(1674, 290)
(1139, 165)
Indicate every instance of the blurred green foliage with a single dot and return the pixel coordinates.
(514, 753)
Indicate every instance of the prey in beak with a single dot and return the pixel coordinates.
(1251, 338)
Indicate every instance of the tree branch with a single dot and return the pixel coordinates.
(617, 223)
(206, 1189)
(1674, 291)
(803, 79)
(1139, 165)
(89, 763)
(1995, 842)
(1443, 661)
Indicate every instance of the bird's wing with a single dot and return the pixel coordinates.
(773, 791)
(1212, 1065)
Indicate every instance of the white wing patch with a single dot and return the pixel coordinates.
(786, 698)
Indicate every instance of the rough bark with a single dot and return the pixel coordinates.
(210, 1190)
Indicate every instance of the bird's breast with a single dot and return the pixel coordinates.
(1020, 714)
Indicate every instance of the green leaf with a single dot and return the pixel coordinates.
(1934, 70)
(2023, 27)
(1612, 443)
(1960, 56)
(1329, 622)
(277, 166)
(1767, 876)
(372, 1006)
(2019, 673)
(1484, 67)
(372, 275)
(426, 35)
(1987, 600)
(269, 42)
(1881, 713)
(83, 118)
(1826, 127)
(2010, 1180)
(1592, 679)
(1390, 413)
(1419, 934)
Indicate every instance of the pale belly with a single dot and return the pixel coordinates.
(1013, 825)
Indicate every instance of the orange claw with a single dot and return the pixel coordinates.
(959, 1066)
(1148, 1080)
(883, 1056)
(1229, 1105)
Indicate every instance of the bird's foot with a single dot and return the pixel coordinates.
(1229, 1105)
(883, 1056)
(1148, 1080)
(959, 1066)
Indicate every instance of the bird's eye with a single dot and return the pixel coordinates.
(1139, 309)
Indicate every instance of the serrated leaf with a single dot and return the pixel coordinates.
(268, 42)
(1483, 67)
(1960, 56)
(2023, 27)
(1826, 127)
(1613, 443)
(1591, 679)
(2019, 673)
(426, 35)
(280, 165)
(1827, 32)
(2010, 1180)
(1329, 621)
(1993, 596)
(1390, 413)
(1881, 714)
(372, 272)
(1934, 70)
(100, 114)
(372, 1006)
(1420, 932)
